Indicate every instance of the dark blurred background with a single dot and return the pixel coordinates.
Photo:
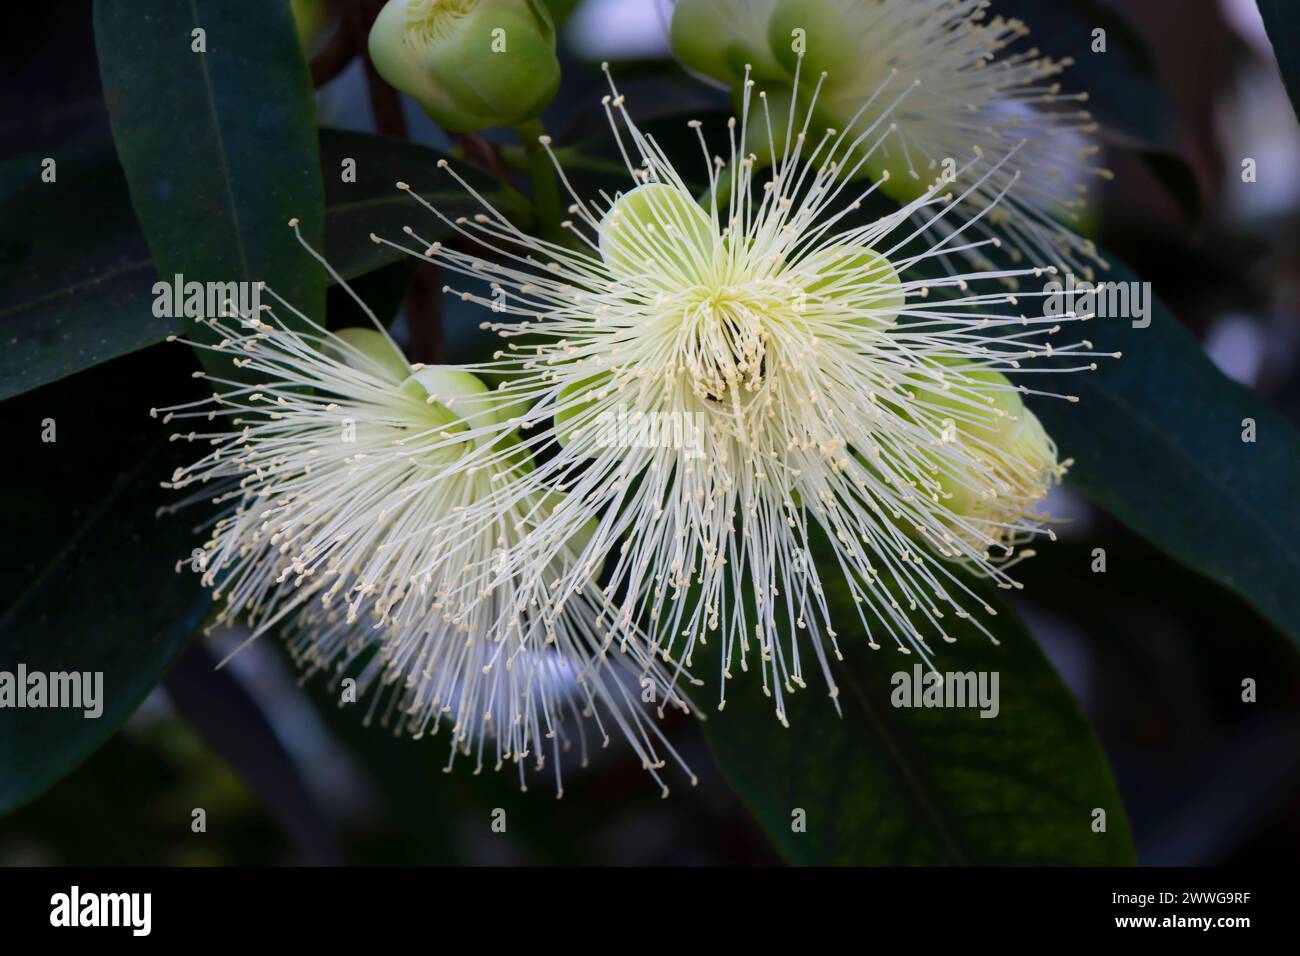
(1156, 658)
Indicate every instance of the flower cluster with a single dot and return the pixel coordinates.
(854, 403)
(853, 407)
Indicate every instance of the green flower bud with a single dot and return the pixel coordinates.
(815, 29)
(887, 165)
(717, 38)
(768, 146)
(470, 63)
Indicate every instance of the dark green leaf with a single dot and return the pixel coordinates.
(1282, 20)
(887, 785)
(82, 295)
(219, 147)
(89, 573)
(374, 204)
(74, 270)
(1157, 442)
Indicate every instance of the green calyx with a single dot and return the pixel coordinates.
(463, 398)
(370, 351)
(656, 227)
(984, 403)
(990, 419)
(454, 400)
(821, 42)
(857, 275)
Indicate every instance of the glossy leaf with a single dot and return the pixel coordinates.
(215, 125)
(90, 580)
(75, 273)
(894, 786)
(79, 287)
(1157, 440)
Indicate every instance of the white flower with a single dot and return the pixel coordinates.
(968, 86)
(835, 395)
(343, 473)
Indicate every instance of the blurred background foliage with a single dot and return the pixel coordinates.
(1120, 689)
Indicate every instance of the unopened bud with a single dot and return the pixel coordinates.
(816, 31)
(470, 63)
(719, 38)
